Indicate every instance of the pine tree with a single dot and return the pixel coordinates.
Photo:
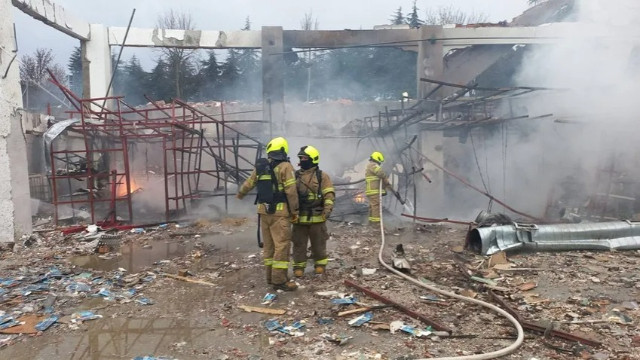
(397, 18)
(137, 82)
(75, 71)
(210, 76)
(160, 85)
(229, 76)
(413, 20)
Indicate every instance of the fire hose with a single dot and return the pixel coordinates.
(490, 355)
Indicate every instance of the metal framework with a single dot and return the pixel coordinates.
(200, 155)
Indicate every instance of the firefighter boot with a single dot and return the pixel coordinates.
(298, 272)
(319, 270)
(288, 286)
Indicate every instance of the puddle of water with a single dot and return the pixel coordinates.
(134, 257)
(115, 339)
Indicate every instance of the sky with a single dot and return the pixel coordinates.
(231, 15)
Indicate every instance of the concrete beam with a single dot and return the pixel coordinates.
(546, 34)
(54, 16)
(191, 39)
(15, 202)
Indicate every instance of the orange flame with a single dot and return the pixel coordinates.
(122, 188)
(360, 198)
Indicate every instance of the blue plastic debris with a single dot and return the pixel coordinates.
(84, 316)
(362, 319)
(272, 325)
(268, 298)
(144, 301)
(344, 301)
(137, 231)
(78, 287)
(8, 282)
(325, 321)
(5, 318)
(10, 323)
(46, 323)
(106, 293)
(415, 332)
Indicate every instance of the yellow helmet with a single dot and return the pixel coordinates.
(377, 157)
(311, 152)
(278, 144)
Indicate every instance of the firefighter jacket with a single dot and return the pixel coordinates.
(316, 194)
(286, 179)
(373, 175)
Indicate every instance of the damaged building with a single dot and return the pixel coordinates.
(514, 171)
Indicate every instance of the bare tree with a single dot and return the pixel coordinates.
(450, 15)
(34, 77)
(179, 60)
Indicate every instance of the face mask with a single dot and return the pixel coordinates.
(305, 164)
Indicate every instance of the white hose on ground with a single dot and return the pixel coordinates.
(491, 355)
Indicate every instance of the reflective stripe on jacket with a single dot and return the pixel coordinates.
(373, 175)
(314, 207)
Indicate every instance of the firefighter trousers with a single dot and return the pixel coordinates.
(374, 208)
(318, 235)
(276, 235)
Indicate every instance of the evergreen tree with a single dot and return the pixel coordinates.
(209, 74)
(229, 76)
(160, 84)
(136, 82)
(413, 20)
(397, 18)
(75, 71)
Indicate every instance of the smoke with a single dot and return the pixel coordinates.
(595, 68)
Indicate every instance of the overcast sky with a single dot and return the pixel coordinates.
(231, 15)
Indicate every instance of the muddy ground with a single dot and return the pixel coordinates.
(591, 294)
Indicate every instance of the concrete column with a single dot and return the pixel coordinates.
(96, 63)
(430, 58)
(15, 202)
(273, 69)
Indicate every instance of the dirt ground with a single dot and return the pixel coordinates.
(591, 294)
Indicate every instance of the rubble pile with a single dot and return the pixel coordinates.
(216, 304)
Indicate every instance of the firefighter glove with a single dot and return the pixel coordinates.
(295, 219)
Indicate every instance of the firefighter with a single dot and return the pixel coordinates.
(316, 195)
(374, 174)
(277, 208)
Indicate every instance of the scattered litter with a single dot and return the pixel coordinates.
(411, 330)
(46, 323)
(366, 271)
(144, 301)
(348, 300)
(432, 298)
(484, 281)
(153, 358)
(325, 321)
(293, 329)
(82, 316)
(269, 298)
(336, 339)
(262, 310)
(362, 319)
(137, 231)
(330, 293)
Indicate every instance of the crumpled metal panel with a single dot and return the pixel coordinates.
(618, 235)
(51, 134)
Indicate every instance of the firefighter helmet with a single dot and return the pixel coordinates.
(278, 144)
(377, 157)
(311, 152)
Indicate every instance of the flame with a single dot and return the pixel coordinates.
(122, 188)
(360, 198)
